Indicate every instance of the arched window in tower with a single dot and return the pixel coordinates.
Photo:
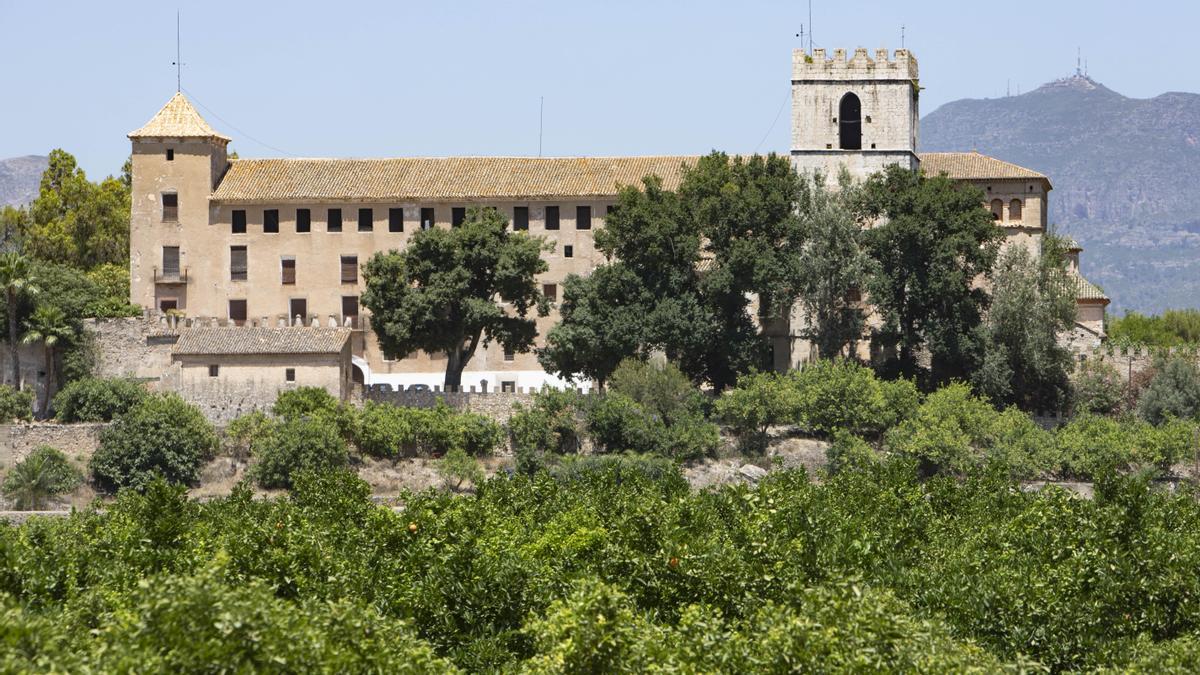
(1014, 209)
(850, 123)
(997, 209)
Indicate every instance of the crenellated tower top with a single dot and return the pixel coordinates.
(860, 66)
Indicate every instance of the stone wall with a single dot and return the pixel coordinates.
(76, 441)
(137, 347)
(495, 405)
(1130, 360)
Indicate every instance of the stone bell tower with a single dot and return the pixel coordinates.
(860, 113)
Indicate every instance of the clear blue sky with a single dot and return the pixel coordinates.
(363, 79)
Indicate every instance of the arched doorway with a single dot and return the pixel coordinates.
(850, 123)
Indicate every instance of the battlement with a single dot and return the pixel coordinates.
(860, 66)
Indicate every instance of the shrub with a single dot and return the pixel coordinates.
(1092, 445)
(386, 431)
(441, 429)
(43, 475)
(457, 467)
(848, 452)
(652, 409)
(315, 402)
(758, 402)
(96, 399)
(15, 405)
(618, 424)
(550, 426)
(1174, 392)
(241, 432)
(295, 445)
(954, 431)
(161, 435)
(901, 400)
(837, 395)
(659, 387)
(617, 467)
(1097, 388)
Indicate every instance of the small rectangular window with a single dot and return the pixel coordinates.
(349, 269)
(237, 311)
(366, 220)
(568, 251)
(214, 370)
(170, 262)
(333, 222)
(550, 291)
(509, 356)
(350, 310)
(271, 221)
(239, 221)
(583, 217)
(288, 267)
(170, 154)
(427, 218)
(395, 220)
(551, 217)
(237, 263)
(457, 215)
(298, 311)
(521, 218)
(303, 220)
(167, 304)
(170, 206)
(508, 386)
(289, 374)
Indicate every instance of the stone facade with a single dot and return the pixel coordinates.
(76, 441)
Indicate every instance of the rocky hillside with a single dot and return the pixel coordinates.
(1126, 176)
(19, 179)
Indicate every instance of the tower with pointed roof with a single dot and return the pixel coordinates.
(177, 161)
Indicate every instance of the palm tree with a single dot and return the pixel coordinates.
(44, 474)
(16, 278)
(49, 326)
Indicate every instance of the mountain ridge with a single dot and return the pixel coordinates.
(20, 178)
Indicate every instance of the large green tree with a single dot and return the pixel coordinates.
(834, 267)
(933, 242)
(1033, 301)
(452, 290)
(75, 221)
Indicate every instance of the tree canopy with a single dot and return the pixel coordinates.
(75, 221)
(451, 290)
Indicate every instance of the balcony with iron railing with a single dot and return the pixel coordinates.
(171, 276)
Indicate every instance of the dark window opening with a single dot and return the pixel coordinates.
(551, 217)
(997, 209)
(237, 263)
(214, 370)
(550, 291)
(457, 215)
(350, 310)
(568, 251)
(167, 304)
(509, 355)
(289, 374)
(239, 221)
(170, 262)
(395, 220)
(427, 218)
(298, 311)
(583, 217)
(521, 218)
(349, 269)
(508, 386)
(366, 220)
(289, 270)
(303, 220)
(333, 222)
(170, 154)
(850, 123)
(170, 203)
(237, 312)
(271, 221)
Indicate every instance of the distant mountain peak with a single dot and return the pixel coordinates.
(1077, 83)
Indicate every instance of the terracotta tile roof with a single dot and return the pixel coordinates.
(974, 166)
(1086, 290)
(177, 119)
(415, 178)
(247, 340)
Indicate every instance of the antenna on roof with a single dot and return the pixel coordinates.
(1078, 54)
(178, 62)
(901, 36)
(541, 108)
(801, 36)
(810, 27)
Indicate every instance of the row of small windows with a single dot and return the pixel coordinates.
(289, 374)
(297, 307)
(366, 218)
(1015, 209)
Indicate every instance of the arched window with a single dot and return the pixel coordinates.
(997, 209)
(850, 123)
(1014, 209)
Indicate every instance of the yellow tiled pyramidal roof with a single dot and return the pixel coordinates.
(974, 166)
(177, 119)
(419, 178)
